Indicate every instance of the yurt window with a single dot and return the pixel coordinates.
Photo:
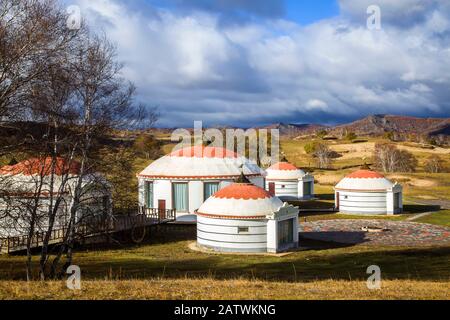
(242, 229)
(149, 194)
(307, 188)
(209, 188)
(285, 232)
(180, 196)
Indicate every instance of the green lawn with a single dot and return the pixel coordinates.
(440, 218)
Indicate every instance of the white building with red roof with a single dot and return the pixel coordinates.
(288, 182)
(45, 180)
(185, 178)
(243, 217)
(368, 192)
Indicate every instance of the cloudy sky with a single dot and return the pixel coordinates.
(253, 62)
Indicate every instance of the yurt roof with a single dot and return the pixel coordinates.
(284, 171)
(201, 162)
(240, 201)
(365, 180)
(42, 167)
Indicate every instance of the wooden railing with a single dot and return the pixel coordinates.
(92, 226)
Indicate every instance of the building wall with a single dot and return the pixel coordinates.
(362, 202)
(285, 189)
(223, 235)
(195, 195)
(291, 189)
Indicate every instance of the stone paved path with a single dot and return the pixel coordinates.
(401, 233)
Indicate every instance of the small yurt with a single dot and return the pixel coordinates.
(243, 217)
(185, 178)
(287, 182)
(44, 180)
(368, 192)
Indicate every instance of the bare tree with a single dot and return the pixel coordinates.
(69, 83)
(390, 159)
(103, 101)
(434, 164)
(31, 32)
(323, 154)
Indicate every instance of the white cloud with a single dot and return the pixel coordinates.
(194, 67)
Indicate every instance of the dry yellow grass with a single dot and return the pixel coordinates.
(230, 289)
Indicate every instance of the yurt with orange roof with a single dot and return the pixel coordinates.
(246, 218)
(185, 178)
(368, 192)
(288, 182)
(44, 180)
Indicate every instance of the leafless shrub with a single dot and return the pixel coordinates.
(434, 164)
(390, 159)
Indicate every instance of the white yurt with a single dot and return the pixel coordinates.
(246, 218)
(185, 178)
(288, 182)
(368, 192)
(22, 183)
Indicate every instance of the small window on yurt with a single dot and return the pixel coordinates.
(242, 229)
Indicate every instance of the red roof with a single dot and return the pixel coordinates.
(36, 166)
(284, 166)
(365, 174)
(204, 152)
(246, 191)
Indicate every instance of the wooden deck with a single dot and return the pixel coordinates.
(93, 228)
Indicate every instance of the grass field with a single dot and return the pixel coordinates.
(440, 218)
(231, 289)
(165, 268)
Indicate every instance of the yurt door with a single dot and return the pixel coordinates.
(272, 188)
(337, 200)
(162, 209)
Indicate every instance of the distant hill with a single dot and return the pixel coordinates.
(290, 129)
(379, 124)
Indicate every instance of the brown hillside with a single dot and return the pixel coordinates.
(379, 124)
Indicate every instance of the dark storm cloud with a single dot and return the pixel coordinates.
(194, 67)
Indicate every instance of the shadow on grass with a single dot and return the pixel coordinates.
(419, 208)
(342, 238)
(326, 196)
